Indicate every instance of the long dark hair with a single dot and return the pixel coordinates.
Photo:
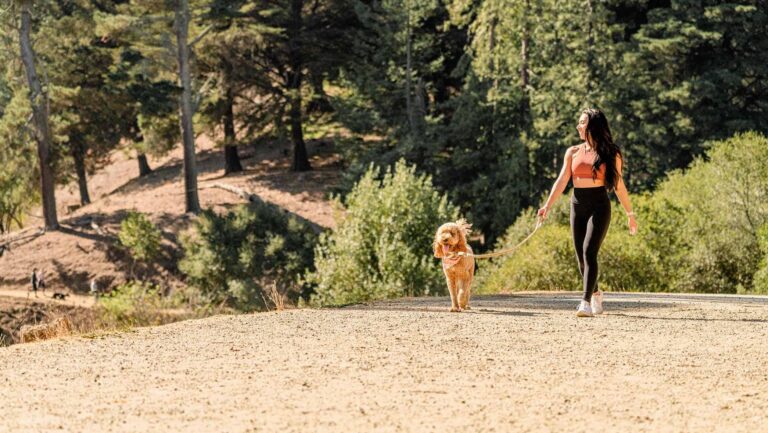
(599, 136)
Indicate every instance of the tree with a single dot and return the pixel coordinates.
(146, 23)
(696, 72)
(38, 101)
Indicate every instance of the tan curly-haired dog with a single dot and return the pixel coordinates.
(451, 239)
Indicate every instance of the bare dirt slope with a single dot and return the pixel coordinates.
(86, 246)
(524, 363)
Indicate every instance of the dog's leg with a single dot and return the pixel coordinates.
(467, 292)
(466, 288)
(462, 294)
(454, 295)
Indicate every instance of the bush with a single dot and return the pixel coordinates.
(548, 260)
(699, 232)
(381, 247)
(140, 236)
(136, 304)
(235, 258)
(761, 276)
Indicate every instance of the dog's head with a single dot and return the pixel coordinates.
(451, 237)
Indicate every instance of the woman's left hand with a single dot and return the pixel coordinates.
(632, 225)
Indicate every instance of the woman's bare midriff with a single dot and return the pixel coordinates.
(586, 182)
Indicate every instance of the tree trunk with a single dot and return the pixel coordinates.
(185, 103)
(231, 159)
(78, 155)
(40, 119)
(300, 157)
(144, 168)
(319, 102)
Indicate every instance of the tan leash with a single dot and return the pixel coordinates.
(539, 223)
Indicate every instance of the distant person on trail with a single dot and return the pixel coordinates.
(595, 166)
(35, 282)
(41, 280)
(94, 289)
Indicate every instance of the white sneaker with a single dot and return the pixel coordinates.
(597, 302)
(585, 310)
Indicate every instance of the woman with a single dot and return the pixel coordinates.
(595, 166)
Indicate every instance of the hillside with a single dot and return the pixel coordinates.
(85, 247)
(653, 363)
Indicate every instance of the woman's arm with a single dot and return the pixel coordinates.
(559, 186)
(623, 195)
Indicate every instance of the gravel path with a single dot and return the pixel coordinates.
(523, 363)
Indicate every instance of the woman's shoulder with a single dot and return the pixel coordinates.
(573, 149)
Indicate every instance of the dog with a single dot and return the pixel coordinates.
(59, 295)
(459, 270)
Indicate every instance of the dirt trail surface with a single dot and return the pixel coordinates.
(71, 299)
(523, 362)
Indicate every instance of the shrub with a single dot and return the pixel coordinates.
(234, 258)
(761, 276)
(136, 304)
(381, 247)
(699, 232)
(140, 236)
(548, 260)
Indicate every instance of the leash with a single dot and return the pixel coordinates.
(539, 223)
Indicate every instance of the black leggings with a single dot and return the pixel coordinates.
(590, 218)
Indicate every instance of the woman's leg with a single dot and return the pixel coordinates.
(597, 227)
(579, 220)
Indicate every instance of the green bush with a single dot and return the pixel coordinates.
(761, 276)
(140, 236)
(699, 232)
(381, 247)
(136, 304)
(235, 258)
(548, 260)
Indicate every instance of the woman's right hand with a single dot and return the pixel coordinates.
(542, 213)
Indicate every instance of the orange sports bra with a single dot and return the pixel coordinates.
(581, 164)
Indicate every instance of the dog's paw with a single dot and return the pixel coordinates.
(455, 310)
(466, 308)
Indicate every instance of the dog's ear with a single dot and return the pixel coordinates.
(465, 229)
(436, 247)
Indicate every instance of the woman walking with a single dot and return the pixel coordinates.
(595, 166)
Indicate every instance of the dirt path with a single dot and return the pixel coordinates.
(72, 299)
(523, 363)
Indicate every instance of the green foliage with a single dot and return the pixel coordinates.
(18, 171)
(548, 260)
(136, 304)
(718, 207)
(140, 236)
(381, 247)
(236, 257)
(761, 276)
(703, 230)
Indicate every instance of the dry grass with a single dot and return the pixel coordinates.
(59, 327)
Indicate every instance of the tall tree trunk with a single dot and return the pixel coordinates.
(231, 158)
(40, 118)
(185, 103)
(78, 155)
(144, 168)
(300, 157)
